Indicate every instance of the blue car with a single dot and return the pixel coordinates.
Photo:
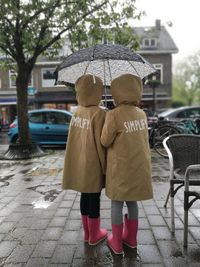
(47, 127)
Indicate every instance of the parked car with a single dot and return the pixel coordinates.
(47, 126)
(178, 114)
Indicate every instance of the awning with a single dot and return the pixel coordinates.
(56, 97)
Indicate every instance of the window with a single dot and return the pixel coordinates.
(189, 113)
(48, 77)
(57, 118)
(149, 42)
(36, 117)
(158, 76)
(12, 79)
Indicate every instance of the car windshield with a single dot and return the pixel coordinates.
(165, 113)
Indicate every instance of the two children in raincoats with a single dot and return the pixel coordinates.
(124, 133)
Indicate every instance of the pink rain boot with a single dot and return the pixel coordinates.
(85, 227)
(115, 239)
(130, 232)
(96, 234)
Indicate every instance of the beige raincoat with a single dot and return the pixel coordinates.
(84, 163)
(125, 134)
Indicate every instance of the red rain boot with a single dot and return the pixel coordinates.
(96, 234)
(85, 227)
(130, 232)
(115, 239)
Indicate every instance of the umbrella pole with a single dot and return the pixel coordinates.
(105, 95)
(105, 90)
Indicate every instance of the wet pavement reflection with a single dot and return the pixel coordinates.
(101, 255)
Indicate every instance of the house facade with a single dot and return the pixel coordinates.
(156, 45)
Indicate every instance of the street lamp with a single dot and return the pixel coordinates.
(153, 82)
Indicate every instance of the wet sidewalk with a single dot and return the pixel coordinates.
(40, 224)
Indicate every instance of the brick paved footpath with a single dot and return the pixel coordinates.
(40, 224)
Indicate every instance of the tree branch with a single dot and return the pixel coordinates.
(58, 36)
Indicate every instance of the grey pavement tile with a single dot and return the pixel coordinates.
(32, 236)
(57, 222)
(63, 254)
(141, 213)
(47, 214)
(145, 237)
(62, 212)
(151, 210)
(2, 218)
(176, 262)
(69, 237)
(16, 234)
(179, 237)
(14, 217)
(162, 233)
(52, 233)
(149, 202)
(6, 227)
(143, 223)
(76, 206)
(105, 214)
(37, 262)
(44, 249)
(14, 265)
(6, 247)
(40, 224)
(149, 254)
(2, 237)
(73, 225)
(170, 249)
(178, 223)
(70, 196)
(6, 211)
(25, 222)
(196, 212)
(156, 220)
(20, 254)
(66, 204)
(166, 213)
(74, 214)
(7, 199)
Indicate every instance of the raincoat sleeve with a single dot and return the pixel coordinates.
(98, 125)
(109, 131)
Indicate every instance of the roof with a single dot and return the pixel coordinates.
(165, 43)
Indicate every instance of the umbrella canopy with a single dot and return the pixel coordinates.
(106, 61)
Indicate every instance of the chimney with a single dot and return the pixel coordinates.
(158, 24)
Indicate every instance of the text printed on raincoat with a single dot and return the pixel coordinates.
(80, 122)
(136, 125)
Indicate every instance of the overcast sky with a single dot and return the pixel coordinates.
(185, 17)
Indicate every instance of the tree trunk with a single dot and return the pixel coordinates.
(22, 104)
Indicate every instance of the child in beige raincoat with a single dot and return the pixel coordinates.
(128, 174)
(84, 163)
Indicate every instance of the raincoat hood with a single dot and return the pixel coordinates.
(89, 90)
(126, 89)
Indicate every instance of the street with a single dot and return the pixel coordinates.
(40, 224)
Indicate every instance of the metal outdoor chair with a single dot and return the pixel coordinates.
(184, 161)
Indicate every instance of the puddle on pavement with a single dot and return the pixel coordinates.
(157, 178)
(101, 255)
(177, 254)
(28, 179)
(4, 180)
(49, 194)
(45, 171)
